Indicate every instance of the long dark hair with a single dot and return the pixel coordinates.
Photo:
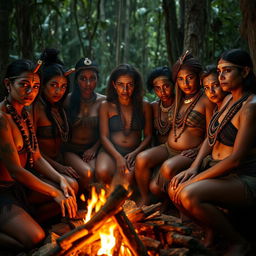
(75, 97)
(137, 96)
(241, 58)
(52, 66)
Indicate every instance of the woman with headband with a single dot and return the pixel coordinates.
(22, 165)
(192, 113)
(51, 124)
(226, 178)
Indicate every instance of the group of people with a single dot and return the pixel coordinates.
(194, 145)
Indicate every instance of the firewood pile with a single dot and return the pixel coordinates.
(137, 231)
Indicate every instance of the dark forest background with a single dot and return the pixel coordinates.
(143, 33)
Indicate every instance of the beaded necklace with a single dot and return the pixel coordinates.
(60, 120)
(63, 127)
(163, 127)
(180, 120)
(30, 140)
(215, 127)
(126, 131)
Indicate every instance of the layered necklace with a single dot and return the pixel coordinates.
(215, 127)
(60, 119)
(163, 127)
(180, 120)
(61, 122)
(126, 131)
(30, 140)
(189, 98)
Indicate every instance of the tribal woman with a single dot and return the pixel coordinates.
(159, 80)
(83, 105)
(124, 118)
(21, 164)
(226, 178)
(52, 128)
(192, 113)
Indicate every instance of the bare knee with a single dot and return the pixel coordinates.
(189, 199)
(74, 185)
(142, 161)
(32, 238)
(86, 176)
(155, 188)
(104, 175)
(167, 170)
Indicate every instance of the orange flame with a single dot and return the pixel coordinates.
(108, 241)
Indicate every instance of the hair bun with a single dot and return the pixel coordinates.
(50, 56)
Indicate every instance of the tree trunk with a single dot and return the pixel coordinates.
(171, 31)
(194, 30)
(118, 32)
(5, 9)
(126, 31)
(23, 23)
(248, 26)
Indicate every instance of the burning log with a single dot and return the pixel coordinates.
(129, 234)
(72, 239)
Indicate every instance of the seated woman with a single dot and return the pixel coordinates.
(160, 81)
(124, 118)
(214, 92)
(51, 124)
(227, 177)
(190, 117)
(83, 105)
(18, 152)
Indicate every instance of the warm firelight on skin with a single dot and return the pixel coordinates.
(108, 241)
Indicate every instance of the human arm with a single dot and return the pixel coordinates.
(68, 170)
(147, 132)
(11, 161)
(194, 168)
(244, 142)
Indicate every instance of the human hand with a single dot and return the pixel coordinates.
(69, 171)
(121, 165)
(89, 154)
(182, 177)
(130, 159)
(68, 204)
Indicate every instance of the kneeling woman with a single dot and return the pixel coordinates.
(124, 117)
(18, 152)
(227, 177)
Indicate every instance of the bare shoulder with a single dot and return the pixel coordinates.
(4, 121)
(146, 105)
(250, 105)
(100, 97)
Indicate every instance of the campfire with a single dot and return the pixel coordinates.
(115, 226)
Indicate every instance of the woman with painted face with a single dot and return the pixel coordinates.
(124, 117)
(159, 80)
(190, 117)
(214, 92)
(82, 106)
(19, 154)
(227, 177)
(51, 124)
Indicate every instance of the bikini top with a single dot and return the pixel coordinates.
(45, 132)
(227, 135)
(116, 125)
(194, 119)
